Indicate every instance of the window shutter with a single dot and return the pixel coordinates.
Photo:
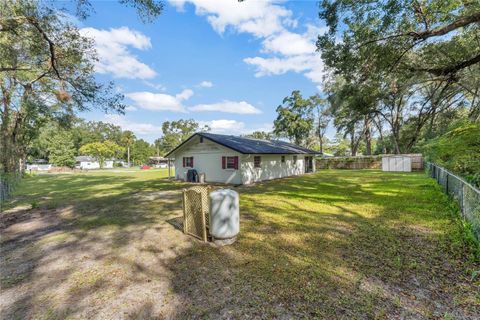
(191, 161)
(235, 163)
(224, 162)
(184, 162)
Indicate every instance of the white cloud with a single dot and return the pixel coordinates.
(241, 107)
(225, 126)
(292, 52)
(206, 84)
(288, 51)
(234, 127)
(156, 86)
(130, 108)
(136, 127)
(275, 66)
(184, 95)
(160, 101)
(113, 52)
(260, 18)
(150, 131)
(288, 43)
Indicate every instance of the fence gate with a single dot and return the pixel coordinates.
(195, 211)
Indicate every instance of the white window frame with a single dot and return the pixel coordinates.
(232, 158)
(187, 160)
(259, 163)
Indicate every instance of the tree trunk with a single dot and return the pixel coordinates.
(5, 149)
(395, 135)
(368, 137)
(380, 133)
(353, 145)
(128, 156)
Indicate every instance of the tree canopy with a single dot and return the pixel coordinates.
(175, 132)
(434, 37)
(102, 150)
(294, 118)
(47, 71)
(398, 67)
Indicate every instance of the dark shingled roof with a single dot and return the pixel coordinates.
(251, 146)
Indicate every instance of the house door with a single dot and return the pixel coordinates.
(308, 164)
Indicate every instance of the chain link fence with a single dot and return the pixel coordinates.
(465, 194)
(8, 182)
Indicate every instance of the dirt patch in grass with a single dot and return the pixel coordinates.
(337, 244)
(84, 262)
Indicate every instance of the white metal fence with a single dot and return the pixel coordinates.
(466, 195)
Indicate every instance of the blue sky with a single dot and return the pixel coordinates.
(222, 63)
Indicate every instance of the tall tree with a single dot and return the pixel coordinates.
(46, 71)
(141, 151)
(127, 140)
(436, 37)
(94, 131)
(102, 150)
(352, 107)
(262, 135)
(54, 143)
(158, 146)
(323, 117)
(423, 57)
(61, 150)
(294, 118)
(175, 132)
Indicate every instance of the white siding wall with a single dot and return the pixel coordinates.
(271, 167)
(88, 165)
(207, 158)
(108, 164)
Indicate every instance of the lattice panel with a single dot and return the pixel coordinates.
(195, 211)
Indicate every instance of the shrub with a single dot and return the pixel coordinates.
(458, 150)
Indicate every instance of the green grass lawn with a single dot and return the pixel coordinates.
(335, 244)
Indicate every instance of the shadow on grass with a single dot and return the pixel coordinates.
(76, 219)
(337, 244)
(334, 245)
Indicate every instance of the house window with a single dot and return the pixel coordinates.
(230, 163)
(295, 160)
(257, 161)
(188, 162)
(201, 139)
(283, 159)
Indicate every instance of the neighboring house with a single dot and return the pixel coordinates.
(159, 162)
(238, 160)
(86, 162)
(39, 165)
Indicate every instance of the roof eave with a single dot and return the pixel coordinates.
(234, 149)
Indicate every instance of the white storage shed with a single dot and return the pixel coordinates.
(397, 163)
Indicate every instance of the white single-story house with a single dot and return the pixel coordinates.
(86, 162)
(239, 160)
(39, 165)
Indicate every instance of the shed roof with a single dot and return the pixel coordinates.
(251, 146)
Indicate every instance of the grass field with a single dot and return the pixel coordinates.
(335, 244)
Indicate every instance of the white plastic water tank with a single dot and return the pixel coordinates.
(224, 214)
